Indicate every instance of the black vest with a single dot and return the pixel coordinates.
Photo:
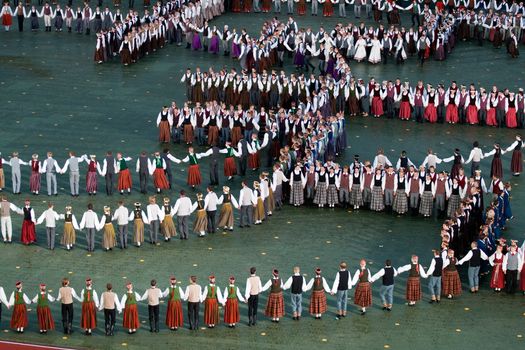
(439, 267)
(388, 277)
(343, 280)
(475, 260)
(297, 284)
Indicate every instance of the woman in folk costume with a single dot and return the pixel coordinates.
(165, 123)
(200, 225)
(194, 173)
(108, 237)
(230, 299)
(34, 180)
(43, 313)
(510, 111)
(130, 320)
(473, 105)
(356, 187)
(427, 192)
(522, 273)
(318, 297)
(378, 96)
(496, 167)
(167, 226)
(258, 208)
(157, 168)
(7, 16)
(401, 191)
(28, 234)
(91, 175)
(415, 271)
(406, 100)
(139, 218)
(275, 305)
(331, 192)
(516, 164)
(363, 292)
(125, 51)
(454, 195)
(297, 184)
(70, 225)
(18, 299)
(457, 163)
(254, 146)
(230, 169)
(267, 189)
(451, 103)
(214, 41)
(301, 7)
(328, 7)
(188, 122)
(100, 47)
(124, 176)
(321, 187)
(377, 185)
(89, 300)
(211, 294)
(174, 316)
(228, 202)
(247, 6)
(451, 281)
(497, 276)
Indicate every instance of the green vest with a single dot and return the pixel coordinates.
(174, 294)
(212, 292)
(42, 300)
(232, 294)
(230, 152)
(122, 164)
(88, 296)
(131, 300)
(158, 163)
(19, 298)
(193, 159)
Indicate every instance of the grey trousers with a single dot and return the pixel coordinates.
(434, 286)
(357, 11)
(154, 230)
(74, 182)
(297, 303)
(50, 233)
(246, 215)
(15, 177)
(389, 197)
(182, 223)
(256, 7)
(277, 6)
(290, 6)
(315, 6)
(473, 276)
(123, 235)
(342, 9)
(440, 202)
(90, 239)
(414, 200)
(51, 180)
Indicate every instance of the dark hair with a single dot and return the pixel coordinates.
(252, 270)
(109, 286)
(90, 206)
(388, 262)
(153, 282)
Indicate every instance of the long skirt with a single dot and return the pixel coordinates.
(270, 200)
(231, 311)
(254, 161)
(196, 42)
(497, 277)
(28, 232)
(108, 237)
(188, 133)
(34, 181)
(69, 236)
(496, 168)
(377, 203)
(213, 135)
(275, 305)
(451, 114)
(214, 44)
(201, 222)
(174, 316)
(320, 194)
(472, 114)
(451, 283)
(164, 131)
(377, 106)
(516, 164)
(88, 319)
(211, 311)
(226, 215)
(400, 204)
(167, 227)
(131, 317)
(431, 113)
(124, 180)
(453, 204)
(159, 179)
(194, 175)
(317, 302)
(404, 110)
(19, 316)
(2, 178)
(363, 294)
(236, 135)
(522, 278)
(91, 182)
(426, 204)
(413, 292)
(491, 117)
(356, 197)
(45, 318)
(229, 167)
(332, 197)
(297, 195)
(511, 120)
(138, 231)
(258, 210)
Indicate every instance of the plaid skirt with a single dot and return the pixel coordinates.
(426, 204)
(377, 203)
(451, 283)
(320, 194)
(413, 292)
(453, 204)
(317, 302)
(363, 294)
(275, 305)
(400, 204)
(367, 194)
(356, 198)
(332, 194)
(34, 181)
(297, 195)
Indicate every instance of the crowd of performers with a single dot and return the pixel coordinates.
(442, 274)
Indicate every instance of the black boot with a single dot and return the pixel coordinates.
(188, 45)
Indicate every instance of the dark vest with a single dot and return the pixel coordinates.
(388, 277)
(297, 284)
(439, 267)
(343, 280)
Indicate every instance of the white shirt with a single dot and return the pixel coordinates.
(50, 216)
(121, 215)
(289, 281)
(211, 201)
(182, 207)
(93, 295)
(89, 220)
(154, 212)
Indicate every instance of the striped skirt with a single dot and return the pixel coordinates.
(88, 318)
(297, 195)
(413, 292)
(363, 294)
(34, 181)
(201, 222)
(131, 317)
(19, 316)
(275, 305)
(332, 195)
(91, 182)
(400, 204)
(231, 311)
(320, 194)
(451, 283)
(317, 302)
(426, 204)
(174, 318)
(211, 311)
(377, 203)
(45, 319)
(356, 197)
(453, 204)
(226, 215)
(167, 227)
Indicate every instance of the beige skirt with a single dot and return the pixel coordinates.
(69, 236)
(226, 215)
(258, 210)
(201, 222)
(108, 238)
(167, 227)
(270, 200)
(138, 231)
(2, 178)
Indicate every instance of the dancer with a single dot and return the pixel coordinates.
(175, 294)
(413, 289)
(89, 300)
(275, 304)
(44, 316)
(110, 304)
(66, 294)
(387, 274)
(19, 299)
(211, 295)
(130, 321)
(363, 293)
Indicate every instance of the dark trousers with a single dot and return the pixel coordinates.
(153, 312)
(210, 214)
(214, 173)
(20, 23)
(193, 315)
(109, 320)
(242, 165)
(67, 317)
(169, 176)
(143, 176)
(500, 116)
(109, 183)
(253, 303)
(511, 281)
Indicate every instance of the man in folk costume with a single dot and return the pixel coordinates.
(18, 299)
(109, 169)
(193, 294)
(157, 168)
(124, 176)
(194, 173)
(121, 215)
(167, 227)
(278, 177)
(34, 180)
(5, 218)
(211, 296)
(89, 300)
(363, 293)
(254, 147)
(342, 284)
(174, 316)
(139, 218)
(251, 295)
(15, 163)
(275, 304)
(72, 164)
(413, 290)
(110, 304)
(165, 123)
(90, 222)
(231, 297)
(386, 292)
(143, 169)
(434, 273)
(474, 257)
(512, 265)
(319, 286)
(43, 313)
(65, 297)
(155, 217)
(210, 206)
(153, 295)
(50, 216)
(297, 285)
(28, 234)
(130, 320)
(50, 168)
(2, 175)
(228, 202)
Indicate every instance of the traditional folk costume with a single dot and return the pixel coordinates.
(363, 292)
(228, 202)
(231, 297)
(321, 186)
(413, 289)
(174, 316)
(200, 225)
(157, 168)
(108, 237)
(34, 180)
(211, 296)
(275, 304)
(91, 176)
(167, 226)
(70, 225)
(230, 169)
(139, 218)
(194, 173)
(44, 316)
(319, 286)
(427, 191)
(124, 176)
(130, 321)
(516, 163)
(401, 191)
(451, 281)
(254, 147)
(258, 209)
(19, 316)
(377, 202)
(331, 193)
(165, 123)
(28, 234)
(497, 276)
(89, 300)
(297, 184)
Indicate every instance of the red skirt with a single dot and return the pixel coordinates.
(211, 311)
(164, 131)
(317, 302)
(131, 317)
(91, 181)
(19, 316)
(28, 232)
(231, 312)
(213, 135)
(124, 180)
(451, 283)
(236, 135)
(328, 9)
(413, 292)
(404, 110)
(431, 113)
(229, 167)
(377, 106)
(522, 278)
(159, 179)
(88, 319)
(516, 163)
(253, 161)
(275, 305)
(194, 175)
(236, 6)
(266, 5)
(363, 294)
(497, 277)
(511, 121)
(491, 117)
(472, 114)
(7, 19)
(45, 319)
(34, 181)
(174, 318)
(301, 8)
(452, 114)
